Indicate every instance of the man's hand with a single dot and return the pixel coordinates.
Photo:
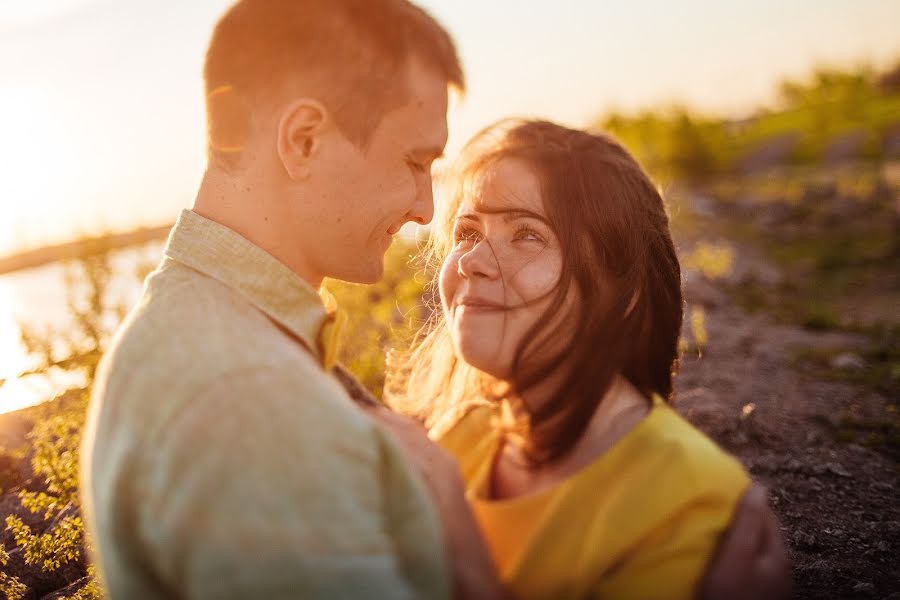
(751, 561)
(471, 565)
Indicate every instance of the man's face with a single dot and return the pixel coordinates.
(367, 195)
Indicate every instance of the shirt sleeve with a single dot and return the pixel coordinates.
(670, 562)
(259, 488)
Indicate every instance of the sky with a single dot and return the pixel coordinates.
(101, 113)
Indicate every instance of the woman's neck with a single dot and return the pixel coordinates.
(620, 410)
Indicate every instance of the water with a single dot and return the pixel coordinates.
(38, 298)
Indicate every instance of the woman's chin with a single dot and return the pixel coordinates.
(482, 355)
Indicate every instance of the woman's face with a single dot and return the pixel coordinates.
(501, 273)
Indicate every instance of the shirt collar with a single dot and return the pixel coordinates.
(221, 253)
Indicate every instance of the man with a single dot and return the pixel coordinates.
(222, 457)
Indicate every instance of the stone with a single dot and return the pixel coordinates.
(837, 469)
(848, 361)
(864, 587)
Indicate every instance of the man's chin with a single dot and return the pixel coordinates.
(368, 276)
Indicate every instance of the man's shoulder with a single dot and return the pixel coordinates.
(189, 333)
(184, 315)
(176, 295)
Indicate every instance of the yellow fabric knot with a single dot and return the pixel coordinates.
(330, 335)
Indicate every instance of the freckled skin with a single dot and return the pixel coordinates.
(369, 193)
(514, 262)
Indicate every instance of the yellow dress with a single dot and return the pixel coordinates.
(640, 521)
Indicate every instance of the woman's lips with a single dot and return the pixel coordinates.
(479, 305)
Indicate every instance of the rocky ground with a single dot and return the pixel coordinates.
(811, 410)
(835, 488)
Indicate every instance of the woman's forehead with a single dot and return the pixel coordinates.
(503, 186)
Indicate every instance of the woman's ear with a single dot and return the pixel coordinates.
(299, 136)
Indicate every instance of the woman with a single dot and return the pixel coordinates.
(548, 371)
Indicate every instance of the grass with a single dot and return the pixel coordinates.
(825, 260)
(673, 142)
(880, 373)
(818, 125)
(787, 303)
(878, 434)
(881, 357)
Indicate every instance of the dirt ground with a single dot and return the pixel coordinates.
(826, 448)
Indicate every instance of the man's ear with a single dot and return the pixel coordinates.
(299, 136)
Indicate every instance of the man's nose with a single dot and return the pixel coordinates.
(422, 210)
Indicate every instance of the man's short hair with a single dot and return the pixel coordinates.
(349, 54)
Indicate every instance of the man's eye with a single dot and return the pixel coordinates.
(417, 166)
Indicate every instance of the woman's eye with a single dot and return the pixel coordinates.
(526, 234)
(466, 235)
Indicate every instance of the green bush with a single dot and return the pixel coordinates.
(53, 444)
(381, 316)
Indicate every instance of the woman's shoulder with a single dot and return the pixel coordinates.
(670, 492)
(670, 454)
(663, 465)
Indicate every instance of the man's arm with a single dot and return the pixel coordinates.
(751, 561)
(471, 567)
(260, 489)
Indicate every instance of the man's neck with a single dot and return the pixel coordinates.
(235, 202)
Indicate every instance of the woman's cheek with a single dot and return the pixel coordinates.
(538, 278)
(448, 282)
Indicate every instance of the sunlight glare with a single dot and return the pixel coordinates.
(18, 14)
(29, 131)
(14, 393)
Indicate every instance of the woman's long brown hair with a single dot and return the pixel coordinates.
(617, 253)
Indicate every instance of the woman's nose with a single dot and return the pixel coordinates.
(479, 261)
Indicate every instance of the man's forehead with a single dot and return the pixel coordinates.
(421, 120)
(421, 125)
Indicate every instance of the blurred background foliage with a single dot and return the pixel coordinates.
(382, 316)
(832, 116)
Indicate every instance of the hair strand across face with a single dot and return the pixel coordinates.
(618, 258)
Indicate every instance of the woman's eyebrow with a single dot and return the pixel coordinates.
(468, 217)
(521, 213)
(509, 214)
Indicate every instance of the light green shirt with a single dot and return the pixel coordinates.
(222, 460)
